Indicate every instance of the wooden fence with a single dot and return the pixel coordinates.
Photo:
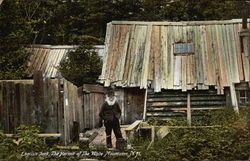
(58, 106)
(52, 104)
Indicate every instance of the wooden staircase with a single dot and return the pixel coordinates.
(170, 104)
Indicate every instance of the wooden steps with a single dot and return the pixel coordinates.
(173, 103)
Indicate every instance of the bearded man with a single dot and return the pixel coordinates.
(111, 113)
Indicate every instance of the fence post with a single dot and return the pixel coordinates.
(188, 109)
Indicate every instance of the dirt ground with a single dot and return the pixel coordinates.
(100, 139)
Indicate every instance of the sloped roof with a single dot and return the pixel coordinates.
(47, 58)
(138, 54)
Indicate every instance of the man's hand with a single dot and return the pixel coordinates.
(100, 123)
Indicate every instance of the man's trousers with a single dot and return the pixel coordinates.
(109, 126)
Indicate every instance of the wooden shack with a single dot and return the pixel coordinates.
(47, 58)
(173, 68)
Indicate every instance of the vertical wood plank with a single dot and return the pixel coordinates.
(145, 67)
(1, 106)
(184, 73)
(6, 108)
(164, 57)
(136, 71)
(60, 113)
(234, 98)
(22, 104)
(66, 113)
(238, 49)
(189, 109)
(156, 51)
(10, 106)
(130, 51)
(145, 105)
(17, 104)
(80, 107)
(39, 98)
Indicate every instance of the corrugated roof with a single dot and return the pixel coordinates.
(141, 53)
(47, 58)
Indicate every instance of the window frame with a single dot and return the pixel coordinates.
(245, 98)
(186, 53)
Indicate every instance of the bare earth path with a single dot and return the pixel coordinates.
(101, 137)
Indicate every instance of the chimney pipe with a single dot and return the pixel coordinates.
(245, 14)
(244, 17)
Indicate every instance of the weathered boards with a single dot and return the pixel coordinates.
(140, 54)
(50, 103)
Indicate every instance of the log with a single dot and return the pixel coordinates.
(183, 108)
(183, 127)
(183, 23)
(41, 135)
(133, 126)
(164, 114)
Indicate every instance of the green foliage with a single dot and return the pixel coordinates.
(176, 10)
(71, 21)
(25, 140)
(172, 122)
(29, 139)
(6, 146)
(13, 61)
(81, 66)
(21, 23)
(228, 141)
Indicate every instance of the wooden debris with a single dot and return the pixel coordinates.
(162, 132)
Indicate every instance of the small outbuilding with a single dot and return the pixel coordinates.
(47, 58)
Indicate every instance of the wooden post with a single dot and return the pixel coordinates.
(152, 137)
(39, 98)
(245, 14)
(245, 40)
(245, 37)
(60, 113)
(188, 109)
(234, 98)
(145, 105)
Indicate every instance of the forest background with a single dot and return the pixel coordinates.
(83, 22)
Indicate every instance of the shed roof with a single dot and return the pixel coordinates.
(139, 54)
(47, 58)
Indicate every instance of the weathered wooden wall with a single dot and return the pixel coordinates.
(73, 111)
(29, 102)
(131, 101)
(139, 54)
(58, 106)
(134, 104)
(92, 97)
(53, 104)
(170, 104)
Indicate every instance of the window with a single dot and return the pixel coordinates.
(243, 97)
(183, 49)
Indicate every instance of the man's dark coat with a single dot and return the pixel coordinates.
(108, 112)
